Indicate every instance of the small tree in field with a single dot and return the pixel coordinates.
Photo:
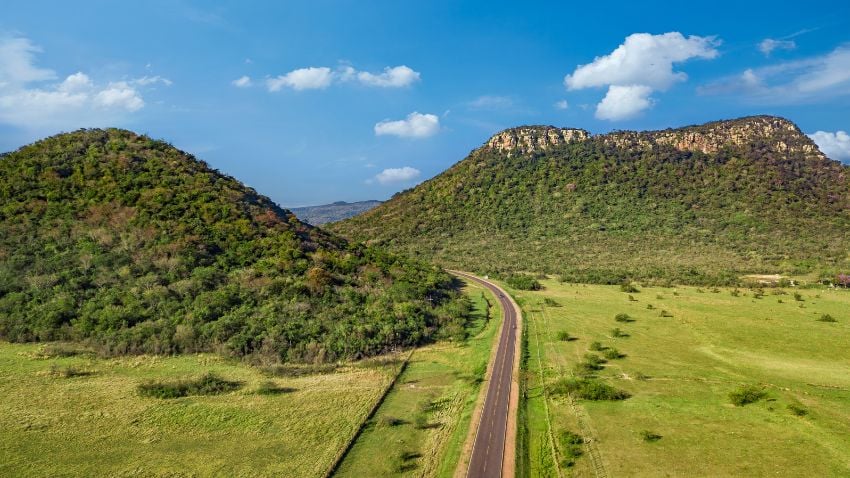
(843, 280)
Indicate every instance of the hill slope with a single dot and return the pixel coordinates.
(325, 213)
(699, 204)
(138, 247)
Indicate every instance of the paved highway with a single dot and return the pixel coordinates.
(494, 446)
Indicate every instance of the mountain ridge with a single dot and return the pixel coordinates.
(698, 204)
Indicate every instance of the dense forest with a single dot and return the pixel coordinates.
(701, 205)
(127, 243)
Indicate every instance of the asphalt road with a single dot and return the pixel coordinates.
(488, 451)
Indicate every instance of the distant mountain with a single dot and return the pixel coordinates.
(700, 204)
(123, 241)
(318, 215)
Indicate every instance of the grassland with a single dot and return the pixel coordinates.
(83, 416)
(422, 426)
(681, 360)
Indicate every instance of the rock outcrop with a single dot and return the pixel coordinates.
(527, 139)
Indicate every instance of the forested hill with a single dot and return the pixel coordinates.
(319, 215)
(701, 204)
(126, 242)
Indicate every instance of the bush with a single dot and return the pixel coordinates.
(632, 298)
(797, 410)
(271, 388)
(549, 302)
(629, 287)
(571, 448)
(67, 372)
(390, 421)
(612, 354)
(564, 336)
(650, 306)
(664, 313)
(798, 297)
(597, 346)
(617, 333)
(621, 317)
(62, 350)
(208, 384)
(523, 282)
(826, 318)
(588, 389)
(649, 436)
(746, 395)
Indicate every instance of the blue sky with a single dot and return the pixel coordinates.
(318, 101)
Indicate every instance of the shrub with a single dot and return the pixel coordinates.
(746, 395)
(588, 389)
(390, 421)
(597, 346)
(798, 297)
(523, 282)
(826, 318)
(632, 298)
(629, 287)
(664, 313)
(621, 317)
(563, 336)
(735, 293)
(650, 306)
(67, 372)
(617, 333)
(612, 354)
(571, 448)
(61, 350)
(549, 302)
(208, 384)
(649, 436)
(797, 410)
(271, 388)
(594, 360)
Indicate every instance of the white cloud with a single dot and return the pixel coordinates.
(835, 145)
(642, 64)
(119, 95)
(768, 45)
(491, 102)
(561, 105)
(624, 102)
(397, 175)
(151, 80)
(395, 77)
(242, 82)
(17, 63)
(28, 98)
(302, 79)
(323, 77)
(416, 125)
(819, 78)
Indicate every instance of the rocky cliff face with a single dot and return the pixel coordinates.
(777, 134)
(527, 139)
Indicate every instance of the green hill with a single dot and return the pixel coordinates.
(134, 246)
(325, 213)
(701, 204)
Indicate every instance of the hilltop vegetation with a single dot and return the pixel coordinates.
(702, 204)
(126, 242)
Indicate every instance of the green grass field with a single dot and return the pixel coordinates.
(680, 369)
(421, 427)
(96, 424)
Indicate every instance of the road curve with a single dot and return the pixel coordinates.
(494, 448)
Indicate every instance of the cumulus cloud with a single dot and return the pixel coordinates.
(642, 64)
(561, 105)
(416, 125)
(812, 79)
(835, 145)
(311, 78)
(623, 102)
(28, 98)
(242, 82)
(323, 77)
(397, 175)
(395, 77)
(767, 45)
